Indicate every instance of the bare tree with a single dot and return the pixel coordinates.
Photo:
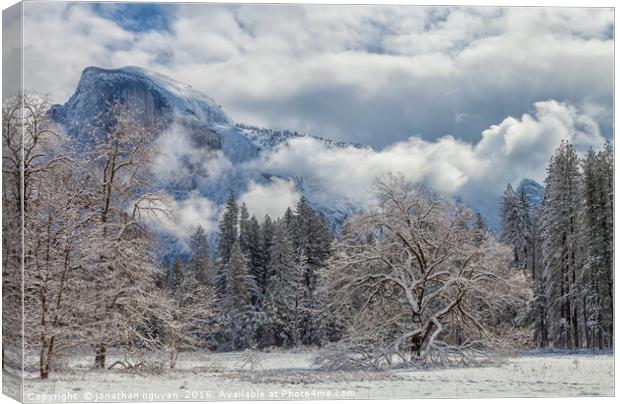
(418, 282)
(54, 235)
(190, 318)
(35, 153)
(12, 251)
(122, 264)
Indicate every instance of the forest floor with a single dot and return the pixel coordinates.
(288, 376)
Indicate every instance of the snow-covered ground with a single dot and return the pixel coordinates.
(286, 375)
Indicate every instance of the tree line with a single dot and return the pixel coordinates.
(566, 246)
(264, 276)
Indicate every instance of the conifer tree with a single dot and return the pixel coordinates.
(228, 229)
(199, 262)
(228, 236)
(538, 308)
(562, 247)
(515, 218)
(241, 317)
(174, 274)
(254, 255)
(244, 229)
(312, 241)
(267, 234)
(284, 284)
(597, 288)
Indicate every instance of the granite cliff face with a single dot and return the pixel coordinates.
(196, 132)
(153, 95)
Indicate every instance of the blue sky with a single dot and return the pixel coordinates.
(139, 17)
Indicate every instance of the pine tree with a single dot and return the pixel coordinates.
(307, 305)
(228, 229)
(289, 221)
(228, 236)
(597, 289)
(562, 247)
(244, 229)
(254, 256)
(200, 262)
(281, 324)
(267, 234)
(312, 241)
(507, 209)
(238, 281)
(241, 316)
(515, 222)
(174, 276)
(521, 229)
(538, 308)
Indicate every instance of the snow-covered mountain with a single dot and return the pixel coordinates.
(152, 93)
(200, 148)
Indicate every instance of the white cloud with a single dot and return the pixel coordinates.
(270, 199)
(514, 149)
(189, 213)
(182, 156)
(373, 74)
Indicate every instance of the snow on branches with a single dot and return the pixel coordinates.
(419, 284)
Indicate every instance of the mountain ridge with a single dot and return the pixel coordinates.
(195, 125)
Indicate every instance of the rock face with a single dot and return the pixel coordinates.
(195, 131)
(152, 95)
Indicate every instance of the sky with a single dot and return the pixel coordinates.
(464, 98)
(374, 75)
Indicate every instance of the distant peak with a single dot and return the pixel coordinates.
(533, 191)
(181, 97)
(528, 182)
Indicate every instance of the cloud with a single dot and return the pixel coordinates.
(371, 74)
(189, 213)
(514, 149)
(438, 93)
(270, 199)
(182, 155)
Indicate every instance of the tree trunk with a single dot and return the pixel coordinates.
(586, 332)
(173, 358)
(100, 356)
(575, 321)
(44, 367)
(416, 346)
(542, 330)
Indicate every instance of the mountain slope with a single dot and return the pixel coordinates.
(200, 149)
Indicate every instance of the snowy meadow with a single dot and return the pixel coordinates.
(292, 375)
